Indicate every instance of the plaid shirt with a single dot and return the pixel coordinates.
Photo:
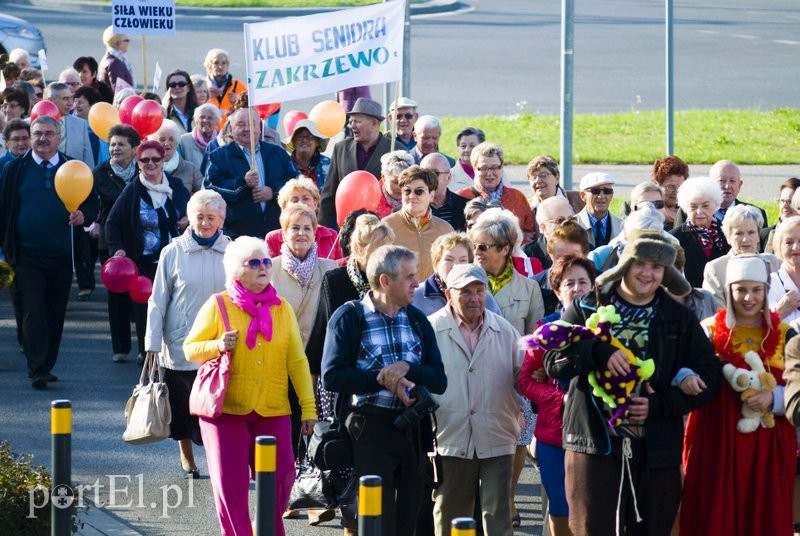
(386, 340)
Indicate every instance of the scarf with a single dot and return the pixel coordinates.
(225, 81)
(206, 242)
(723, 340)
(356, 277)
(496, 195)
(468, 169)
(257, 306)
(302, 270)
(172, 164)
(124, 173)
(440, 284)
(420, 222)
(201, 141)
(709, 238)
(158, 192)
(497, 283)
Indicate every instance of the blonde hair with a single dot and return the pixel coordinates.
(485, 150)
(369, 230)
(213, 54)
(110, 38)
(294, 212)
(449, 241)
(503, 228)
(782, 228)
(298, 183)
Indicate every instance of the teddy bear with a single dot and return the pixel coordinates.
(749, 383)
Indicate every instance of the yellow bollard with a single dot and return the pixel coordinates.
(266, 450)
(61, 460)
(463, 526)
(370, 505)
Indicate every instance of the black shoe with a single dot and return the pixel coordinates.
(84, 297)
(39, 382)
(191, 474)
(52, 377)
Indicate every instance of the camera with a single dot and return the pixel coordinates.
(424, 405)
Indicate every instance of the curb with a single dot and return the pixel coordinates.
(430, 7)
(100, 522)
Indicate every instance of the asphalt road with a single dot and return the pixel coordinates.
(504, 56)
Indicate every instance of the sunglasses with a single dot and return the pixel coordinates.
(484, 247)
(173, 85)
(255, 264)
(405, 116)
(419, 192)
(154, 160)
(659, 204)
(598, 191)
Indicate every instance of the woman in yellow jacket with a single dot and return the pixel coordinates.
(267, 352)
(223, 87)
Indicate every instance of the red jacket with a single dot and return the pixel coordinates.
(547, 397)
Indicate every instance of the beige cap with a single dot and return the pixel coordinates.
(462, 275)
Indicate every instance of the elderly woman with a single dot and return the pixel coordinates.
(646, 192)
(476, 207)
(700, 235)
(201, 92)
(304, 191)
(669, 173)
(741, 227)
(194, 144)
(174, 164)
(305, 145)
(543, 176)
(222, 86)
(645, 216)
(115, 63)
(189, 271)
(180, 100)
(87, 70)
(487, 159)
(788, 206)
(447, 251)
(784, 288)
(755, 457)
(392, 165)
(414, 226)
(144, 219)
(463, 173)
(266, 353)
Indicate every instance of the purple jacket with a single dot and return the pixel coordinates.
(112, 68)
(348, 97)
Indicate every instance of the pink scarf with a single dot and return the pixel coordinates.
(257, 306)
(200, 140)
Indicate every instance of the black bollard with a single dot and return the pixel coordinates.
(61, 496)
(265, 485)
(370, 505)
(463, 526)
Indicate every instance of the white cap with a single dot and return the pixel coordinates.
(596, 179)
(403, 102)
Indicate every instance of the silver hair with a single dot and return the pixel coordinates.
(501, 225)
(643, 188)
(387, 260)
(396, 162)
(19, 53)
(781, 229)
(62, 77)
(213, 54)
(696, 188)
(206, 199)
(239, 251)
(795, 203)
(550, 205)
(205, 108)
(737, 215)
(48, 120)
(644, 217)
(427, 121)
(480, 204)
(167, 124)
(52, 87)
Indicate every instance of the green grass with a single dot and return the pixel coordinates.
(701, 136)
(770, 207)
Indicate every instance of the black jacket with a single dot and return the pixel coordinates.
(695, 258)
(457, 205)
(675, 340)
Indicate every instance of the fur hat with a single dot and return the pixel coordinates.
(746, 268)
(647, 246)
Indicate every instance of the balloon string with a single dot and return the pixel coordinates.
(333, 246)
(72, 239)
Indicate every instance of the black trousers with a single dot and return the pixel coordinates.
(85, 259)
(379, 448)
(42, 285)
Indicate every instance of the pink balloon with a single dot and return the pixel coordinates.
(140, 289)
(290, 119)
(126, 108)
(147, 117)
(47, 108)
(359, 189)
(117, 274)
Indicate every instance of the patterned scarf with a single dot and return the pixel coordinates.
(418, 223)
(356, 277)
(124, 173)
(200, 140)
(301, 270)
(497, 283)
(440, 284)
(257, 306)
(709, 238)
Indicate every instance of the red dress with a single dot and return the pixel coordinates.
(738, 484)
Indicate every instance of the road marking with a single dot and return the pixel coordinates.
(710, 32)
(785, 42)
(443, 14)
(746, 36)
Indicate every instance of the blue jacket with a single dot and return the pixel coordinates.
(225, 174)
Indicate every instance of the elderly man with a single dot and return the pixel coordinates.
(487, 161)
(361, 152)
(427, 131)
(550, 213)
(478, 415)
(597, 191)
(404, 120)
(35, 230)
(446, 204)
(377, 351)
(250, 189)
(71, 78)
(75, 142)
(632, 468)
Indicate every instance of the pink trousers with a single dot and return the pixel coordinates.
(229, 441)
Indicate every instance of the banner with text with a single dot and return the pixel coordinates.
(300, 57)
(143, 17)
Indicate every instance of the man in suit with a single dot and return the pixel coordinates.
(427, 131)
(361, 152)
(249, 190)
(446, 205)
(597, 191)
(75, 142)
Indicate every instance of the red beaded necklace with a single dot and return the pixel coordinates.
(723, 341)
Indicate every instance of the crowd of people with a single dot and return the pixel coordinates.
(425, 298)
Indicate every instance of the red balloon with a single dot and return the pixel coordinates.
(290, 119)
(266, 110)
(147, 117)
(45, 107)
(140, 289)
(117, 273)
(359, 189)
(126, 108)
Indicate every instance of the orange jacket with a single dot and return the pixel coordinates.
(225, 101)
(513, 200)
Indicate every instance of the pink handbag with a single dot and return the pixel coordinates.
(211, 384)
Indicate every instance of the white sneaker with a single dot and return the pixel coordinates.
(119, 358)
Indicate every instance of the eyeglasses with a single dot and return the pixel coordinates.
(419, 192)
(659, 204)
(781, 202)
(154, 160)
(671, 188)
(18, 138)
(48, 134)
(124, 41)
(488, 169)
(73, 84)
(255, 264)
(541, 176)
(598, 191)
(559, 220)
(405, 116)
(484, 247)
(10, 104)
(173, 85)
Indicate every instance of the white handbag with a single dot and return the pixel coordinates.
(148, 413)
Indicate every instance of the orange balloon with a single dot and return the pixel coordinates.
(103, 116)
(74, 183)
(329, 117)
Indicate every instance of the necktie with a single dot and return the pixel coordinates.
(599, 235)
